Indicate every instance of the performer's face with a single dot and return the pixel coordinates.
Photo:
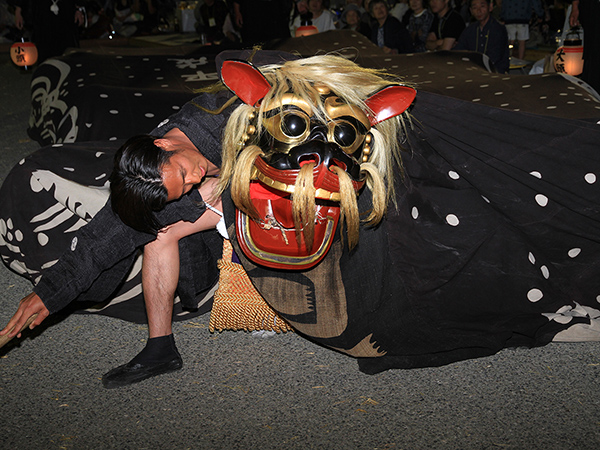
(185, 169)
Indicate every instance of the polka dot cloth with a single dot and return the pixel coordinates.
(115, 93)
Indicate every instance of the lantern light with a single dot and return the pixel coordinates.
(306, 30)
(24, 54)
(569, 58)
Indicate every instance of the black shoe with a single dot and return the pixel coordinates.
(134, 372)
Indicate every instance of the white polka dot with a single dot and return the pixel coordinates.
(74, 244)
(157, 69)
(9, 224)
(22, 162)
(536, 174)
(574, 252)
(525, 86)
(18, 235)
(598, 298)
(590, 178)
(160, 78)
(550, 107)
(452, 220)
(42, 239)
(113, 138)
(93, 74)
(149, 115)
(452, 174)
(484, 85)
(57, 145)
(414, 212)
(545, 272)
(541, 199)
(99, 154)
(88, 125)
(138, 94)
(534, 295)
(531, 258)
(9, 236)
(79, 80)
(485, 199)
(543, 97)
(175, 107)
(476, 100)
(2, 226)
(498, 93)
(69, 169)
(99, 177)
(103, 95)
(114, 111)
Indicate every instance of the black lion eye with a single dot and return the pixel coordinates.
(293, 125)
(344, 134)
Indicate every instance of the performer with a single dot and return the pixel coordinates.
(489, 241)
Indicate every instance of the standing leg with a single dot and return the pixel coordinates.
(160, 274)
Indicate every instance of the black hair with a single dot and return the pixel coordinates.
(374, 2)
(136, 184)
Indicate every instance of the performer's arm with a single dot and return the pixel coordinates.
(29, 305)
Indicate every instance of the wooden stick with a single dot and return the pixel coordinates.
(5, 339)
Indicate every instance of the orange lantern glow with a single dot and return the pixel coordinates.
(24, 54)
(306, 30)
(569, 58)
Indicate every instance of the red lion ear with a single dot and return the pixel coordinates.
(245, 81)
(389, 102)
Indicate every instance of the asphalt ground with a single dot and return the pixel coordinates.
(239, 391)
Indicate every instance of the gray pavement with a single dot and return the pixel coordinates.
(239, 391)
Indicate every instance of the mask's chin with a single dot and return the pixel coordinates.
(271, 240)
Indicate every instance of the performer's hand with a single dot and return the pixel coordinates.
(29, 306)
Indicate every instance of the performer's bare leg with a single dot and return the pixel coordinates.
(160, 274)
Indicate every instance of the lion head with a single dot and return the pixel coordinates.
(310, 135)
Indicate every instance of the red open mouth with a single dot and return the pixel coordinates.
(272, 240)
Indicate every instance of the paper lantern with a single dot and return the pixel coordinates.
(306, 30)
(569, 58)
(24, 54)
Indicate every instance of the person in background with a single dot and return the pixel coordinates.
(212, 15)
(260, 21)
(586, 13)
(486, 35)
(388, 33)
(419, 24)
(322, 18)
(400, 9)
(351, 19)
(516, 15)
(53, 24)
(446, 27)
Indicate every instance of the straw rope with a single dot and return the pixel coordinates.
(237, 304)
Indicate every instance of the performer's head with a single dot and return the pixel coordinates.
(137, 188)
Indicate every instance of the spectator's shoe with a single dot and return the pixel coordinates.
(133, 372)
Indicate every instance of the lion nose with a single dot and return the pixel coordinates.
(325, 153)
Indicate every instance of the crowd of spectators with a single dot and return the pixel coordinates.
(396, 26)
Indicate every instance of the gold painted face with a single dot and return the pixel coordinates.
(291, 122)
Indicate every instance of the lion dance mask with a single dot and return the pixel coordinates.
(310, 135)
